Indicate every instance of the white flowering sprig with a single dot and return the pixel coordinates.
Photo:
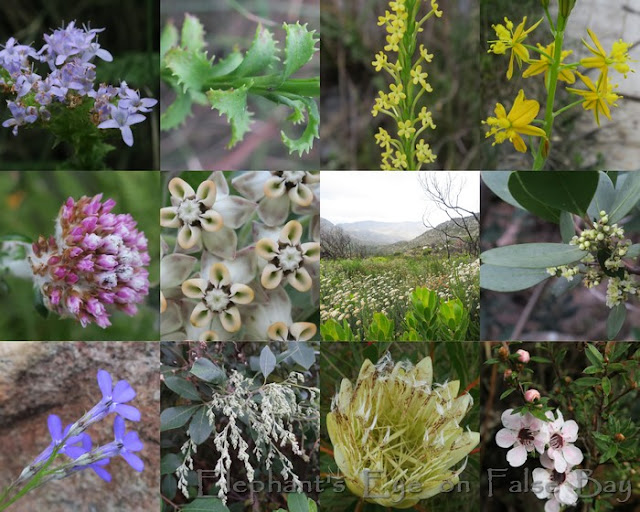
(227, 275)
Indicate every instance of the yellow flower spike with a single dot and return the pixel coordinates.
(425, 55)
(434, 6)
(406, 129)
(597, 97)
(380, 62)
(618, 58)
(510, 39)
(400, 161)
(396, 435)
(382, 137)
(425, 117)
(516, 123)
(543, 65)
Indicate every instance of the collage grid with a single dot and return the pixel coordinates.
(397, 264)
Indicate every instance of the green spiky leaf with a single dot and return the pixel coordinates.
(300, 46)
(177, 112)
(304, 143)
(233, 104)
(260, 57)
(192, 69)
(192, 33)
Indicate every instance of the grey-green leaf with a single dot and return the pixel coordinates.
(634, 251)
(267, 361)
(603, 198)
(200, 429)
(509, 279)
(498, 182)
(208, 371)
(541, 255)
(567, 230)
(297, 502)
(205, 504)
(627, 196)
(182, 387)
(176, 417)
(303, 354)
(615, 321)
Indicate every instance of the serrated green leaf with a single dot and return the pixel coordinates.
(304, 143)
(192, 69)
(300, 45)
(177, 112)
(627, 196)
(182, 387)
(200, 429)
(534, 255)
(510, 279)
(192, 37)
(233, 104)
(615, 320)
(227, 65)
(176, 417)
(168, 38)
(261, 55)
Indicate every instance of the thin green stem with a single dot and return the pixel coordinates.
(554, 71)
(571, 105)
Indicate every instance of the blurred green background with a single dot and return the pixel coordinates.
(350, 39)
(201, 143)
(451, 361)
(30, 201)
(131, 35)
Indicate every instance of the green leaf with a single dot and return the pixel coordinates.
(182, 387)
(200, 429)
(261, 55)
(205, 504)
(615, 320)
(634, 251)
(304, 143)
(533, 255)
(267, 361)
(609, 454)
(561, 191)
(176, 417)
(507, 393)
(303, 354)
(297, 502)
(539, 359)
(627, 196)
(567, 229)
(176, 113)
(590, 370)
(300, 45)
(169, 463)
(530, 201)
(606, 386)
(208, 371)
(587, 381)
(168, 38)
(233, 104)
(192, 69)
(498, 182)
(603, 198)
(192, 33)
(169, 486)
(594, 355)
(510, 279)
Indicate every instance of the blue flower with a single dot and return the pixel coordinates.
(122, 118)
(124, 444)
(21, 116)
(115, 398)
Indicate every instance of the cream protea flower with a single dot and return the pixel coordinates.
(278, 192)
(218, 297)
(288, 258)
(396, 435)
(191, 211)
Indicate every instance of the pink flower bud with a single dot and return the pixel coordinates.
(523, 356)
(507, 373)
(531, 395)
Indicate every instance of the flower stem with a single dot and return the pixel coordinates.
(554, 71)
(571, 105)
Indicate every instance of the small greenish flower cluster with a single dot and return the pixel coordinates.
(407, 151)
(606, 247)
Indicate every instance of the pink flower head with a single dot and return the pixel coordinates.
(97, 258)
(559, 487)
(531, 395)
(524, 433)
(561, 434)
(523, 356)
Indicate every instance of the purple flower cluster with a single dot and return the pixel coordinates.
(96, 260)
(75, 443)
(69, 52)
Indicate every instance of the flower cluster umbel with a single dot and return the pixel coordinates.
(77, 446)
(607, 248)
(396, 435)
(598, 96)
(271, 412)
(95, 261)
(407, 150)
(69, 53)
(239, 292)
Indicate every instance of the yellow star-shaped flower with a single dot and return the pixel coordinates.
(618, 58)
(543, 64)
(597, 97)
(512, 39)
(516, 123)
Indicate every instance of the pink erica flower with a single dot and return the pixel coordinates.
(93, 264)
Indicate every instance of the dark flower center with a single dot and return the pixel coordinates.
(558, 478)
(556, 442)
(525, 436)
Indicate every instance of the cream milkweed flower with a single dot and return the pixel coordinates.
(394, 428)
